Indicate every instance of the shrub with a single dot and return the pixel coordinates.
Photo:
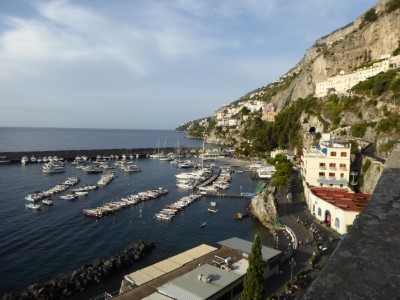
(366, 166)
(392, 5)
(358, 130)
(370, 16)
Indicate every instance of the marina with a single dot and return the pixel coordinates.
(63, 225)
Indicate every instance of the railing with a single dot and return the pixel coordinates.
(105, 296)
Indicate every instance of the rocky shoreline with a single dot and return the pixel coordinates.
(263, 208)
(88, 275)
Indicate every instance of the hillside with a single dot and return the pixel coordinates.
(369, 110)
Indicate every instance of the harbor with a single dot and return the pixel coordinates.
(63, 224)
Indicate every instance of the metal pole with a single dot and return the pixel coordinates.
(292, 262)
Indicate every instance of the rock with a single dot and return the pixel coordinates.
(8, 297)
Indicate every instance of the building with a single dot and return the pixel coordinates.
(327, 164)
(336, 208)
(269, 113)
(203, 272)
(290, 154)
(342, 83)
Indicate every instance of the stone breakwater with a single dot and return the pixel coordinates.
(88, 275)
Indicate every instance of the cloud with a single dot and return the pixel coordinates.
(183, 57)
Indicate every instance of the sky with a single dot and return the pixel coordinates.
(141, 64)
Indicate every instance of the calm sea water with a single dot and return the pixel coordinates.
(19, 139)
(36, 246)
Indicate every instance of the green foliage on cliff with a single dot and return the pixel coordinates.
(392, 5)
(378, 84)
(370, 16)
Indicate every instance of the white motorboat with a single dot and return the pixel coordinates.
(68, 197)
(32, 206)
(33, 159)
(213, 203)
(48, 202)
(24, 160)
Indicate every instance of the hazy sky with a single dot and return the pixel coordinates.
(150, 64)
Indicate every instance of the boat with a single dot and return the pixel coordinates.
(92, 170)
(3, 159)
(81, 193)
(213, 203)
(24, 160)
(33, 159)
(53, 167)
(203, 224)
(32, 206)
(96, 213)
(212, 209)
(68, 197)
(48, 202)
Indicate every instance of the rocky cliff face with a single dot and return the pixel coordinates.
(263, 208)
(344, 49)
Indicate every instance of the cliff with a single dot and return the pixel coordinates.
(362, 41)
(264, 209)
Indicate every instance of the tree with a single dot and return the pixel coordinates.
(253, 285)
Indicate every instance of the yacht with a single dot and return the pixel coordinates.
(33, 159)
(24, 160)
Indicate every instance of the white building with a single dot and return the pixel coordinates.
(336, 208)
(326, 165)
(340, 84)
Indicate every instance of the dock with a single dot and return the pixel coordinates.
(217, 195)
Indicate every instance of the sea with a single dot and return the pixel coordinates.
(37, 246)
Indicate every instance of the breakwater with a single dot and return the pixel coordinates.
(88, 275)
(71, 154)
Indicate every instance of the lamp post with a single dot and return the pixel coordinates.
(292, 263)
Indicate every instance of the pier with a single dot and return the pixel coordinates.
(216, 195)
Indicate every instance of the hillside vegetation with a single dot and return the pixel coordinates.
(370, 111)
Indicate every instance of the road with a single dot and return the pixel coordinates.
(289, 213)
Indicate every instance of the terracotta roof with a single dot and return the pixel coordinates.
(342, 199)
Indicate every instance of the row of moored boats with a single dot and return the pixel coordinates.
(44, 196)
(114, 206)
(170, 210)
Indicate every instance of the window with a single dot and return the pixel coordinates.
(321, 174)
(343, 154)
(319, 211)
(337, 223)
(332, 175)
(322, 165)
(333, 153)
(341, 175)
(332, 166)
(343, 166)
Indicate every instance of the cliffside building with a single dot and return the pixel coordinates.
(336, 208)
(327, 164)
(342, 83)
(269, 113)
